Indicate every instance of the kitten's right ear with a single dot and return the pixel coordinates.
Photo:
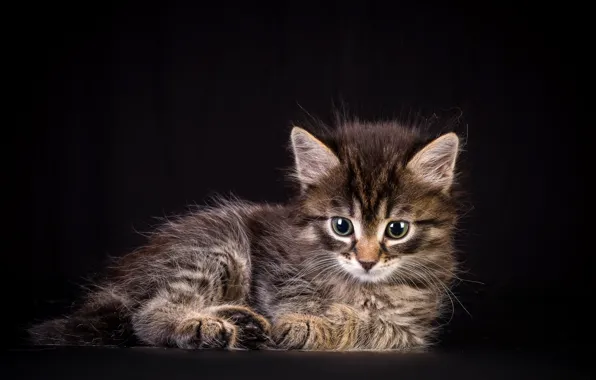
(435, 163)
(313, 159)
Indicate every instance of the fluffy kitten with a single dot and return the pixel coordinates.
(360, 259)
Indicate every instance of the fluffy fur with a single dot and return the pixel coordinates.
(242, 275)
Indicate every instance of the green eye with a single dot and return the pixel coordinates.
(397, 230)
(342, 226)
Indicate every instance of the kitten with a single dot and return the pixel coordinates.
(360, 259)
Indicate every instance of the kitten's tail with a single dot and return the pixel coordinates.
(52, 332)
(98, 329)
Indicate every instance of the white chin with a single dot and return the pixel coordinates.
(374, 275)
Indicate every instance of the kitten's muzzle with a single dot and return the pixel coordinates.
(367, 252)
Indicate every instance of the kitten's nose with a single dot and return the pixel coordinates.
(367, 264)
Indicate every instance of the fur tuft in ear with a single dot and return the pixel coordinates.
(435, 163)
(313, 159)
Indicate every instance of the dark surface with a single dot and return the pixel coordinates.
(131, 110)
(158, 363)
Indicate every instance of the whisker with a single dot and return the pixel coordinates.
(451, 272)
(440, 282)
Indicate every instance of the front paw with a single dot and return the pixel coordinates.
(253, 329)
(204, 332)
(303, 332)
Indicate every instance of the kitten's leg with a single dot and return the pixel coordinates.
(202, 307)
(165, 321)
(394, 330)
(335, 329)
(341, 327)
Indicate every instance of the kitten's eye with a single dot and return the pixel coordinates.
(397, 230)
(342, 226)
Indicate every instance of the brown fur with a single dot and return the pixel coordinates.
(242, 275)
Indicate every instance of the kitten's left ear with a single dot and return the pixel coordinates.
(313, 158)
(435, 163)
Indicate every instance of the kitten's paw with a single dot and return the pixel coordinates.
(253, 329)
(306, 332)
(205, 332)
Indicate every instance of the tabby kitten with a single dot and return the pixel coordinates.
(360, 259)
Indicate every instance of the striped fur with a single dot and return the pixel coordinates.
(243, 275)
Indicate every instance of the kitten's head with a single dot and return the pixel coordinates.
(376, 200)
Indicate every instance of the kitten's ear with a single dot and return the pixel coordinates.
(435, 163)
(313, 159)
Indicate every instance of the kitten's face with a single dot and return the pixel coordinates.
(380, 217)
(406, 231)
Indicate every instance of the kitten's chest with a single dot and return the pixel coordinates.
(370, 299)
(373, 300)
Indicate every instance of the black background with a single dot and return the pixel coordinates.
(134, 111)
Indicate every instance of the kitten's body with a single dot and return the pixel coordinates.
(250, 275)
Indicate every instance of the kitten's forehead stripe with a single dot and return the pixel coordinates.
(372, 188)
